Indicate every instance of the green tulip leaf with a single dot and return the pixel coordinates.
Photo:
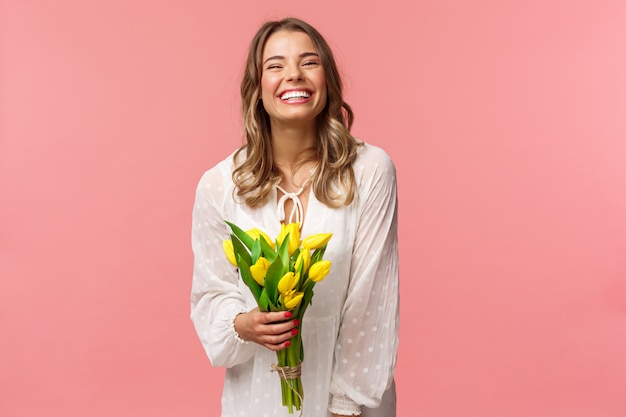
(269, 253)
(243, 236)
(318, 254)
(264, 301)
(240, 250)
(256, 250)
(274, 274)
(283, 254)
(246, 276)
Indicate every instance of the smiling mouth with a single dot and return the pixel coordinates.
(295, 95)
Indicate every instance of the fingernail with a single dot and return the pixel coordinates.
(287, 343)
(288, 314)
(296, 322)
(294, 332)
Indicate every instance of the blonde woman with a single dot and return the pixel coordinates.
(300, 164)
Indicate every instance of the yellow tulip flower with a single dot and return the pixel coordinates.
(227, 245)
(292, 299)
(293, 229)
(288, 282)
(258, 233)
(303, 257)
(316, 241)
(319, 270)
(259, 270)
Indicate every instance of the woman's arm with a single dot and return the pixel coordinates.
(365, 355)
(223, 321)
(215, 295)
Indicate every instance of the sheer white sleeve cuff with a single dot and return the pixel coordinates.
(230, 326)
(344, 406)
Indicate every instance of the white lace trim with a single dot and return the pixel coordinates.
(230, 326)
(344, 406)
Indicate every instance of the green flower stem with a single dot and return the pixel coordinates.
(291, 389)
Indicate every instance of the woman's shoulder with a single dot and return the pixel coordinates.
(220, 174)
(375, 173)
(372, 157)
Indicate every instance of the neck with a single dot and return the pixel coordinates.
(290, 143)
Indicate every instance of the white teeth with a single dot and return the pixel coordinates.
(295, 95)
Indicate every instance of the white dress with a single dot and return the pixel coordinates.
(349, 332)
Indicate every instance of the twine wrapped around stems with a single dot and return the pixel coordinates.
(289, 373)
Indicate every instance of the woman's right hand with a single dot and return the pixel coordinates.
(270, 329)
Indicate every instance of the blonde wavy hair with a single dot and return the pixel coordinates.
(333, 181)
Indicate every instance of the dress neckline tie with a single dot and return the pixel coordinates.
(297, 212)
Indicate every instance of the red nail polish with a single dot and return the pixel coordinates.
(287, 343)
(288, 314)
(294, 332)
(296, 322)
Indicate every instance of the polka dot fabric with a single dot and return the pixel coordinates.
(350, 332)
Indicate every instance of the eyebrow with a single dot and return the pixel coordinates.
(302, 55)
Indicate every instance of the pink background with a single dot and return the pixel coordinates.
(507, 122)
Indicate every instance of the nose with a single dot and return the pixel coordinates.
(294, 73)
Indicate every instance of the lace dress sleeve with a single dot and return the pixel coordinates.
(365, 355)
(215, 295)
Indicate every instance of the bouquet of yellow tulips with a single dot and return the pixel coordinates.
(281, 275)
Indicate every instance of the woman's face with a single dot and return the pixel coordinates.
(293, 86)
